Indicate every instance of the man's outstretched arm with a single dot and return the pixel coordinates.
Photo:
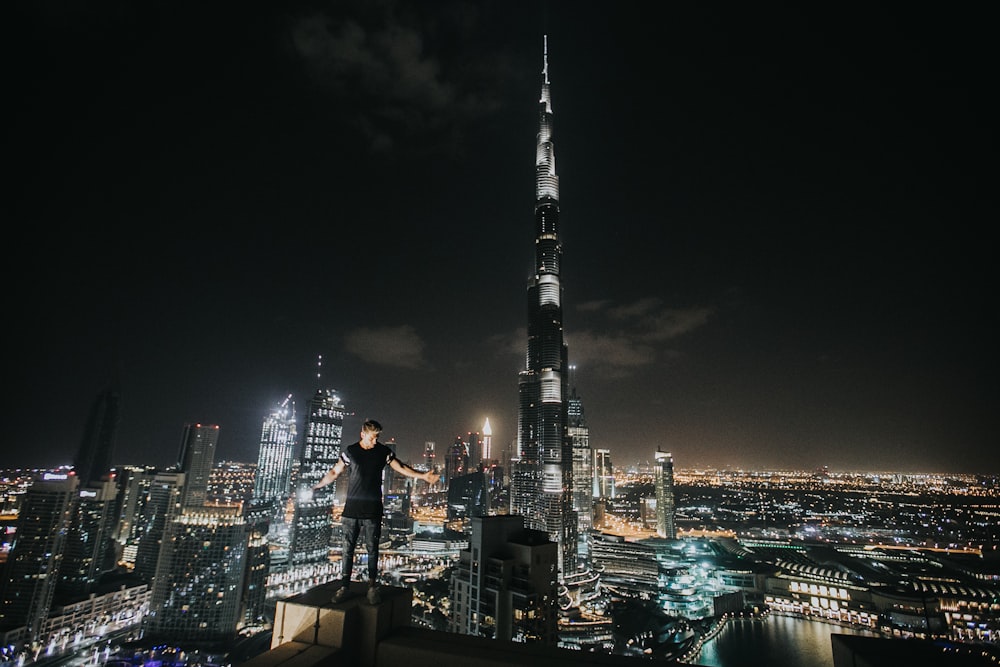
(430, 476)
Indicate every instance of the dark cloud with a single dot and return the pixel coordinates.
(399, 346)
(390, 70)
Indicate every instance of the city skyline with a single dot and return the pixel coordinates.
(767, 223)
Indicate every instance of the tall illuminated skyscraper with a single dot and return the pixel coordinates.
(456, 462)
(272, 482)
(542, 467)
(583, 472)
(604, 474)
(665, 495)
(311, 524)
(487, 441)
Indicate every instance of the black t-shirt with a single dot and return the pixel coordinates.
(364, 486)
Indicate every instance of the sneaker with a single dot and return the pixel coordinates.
(342, 593)
(374, 597)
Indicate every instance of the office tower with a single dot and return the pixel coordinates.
(429, 455)
(258, 516)
(487, 441)
(542, 467)
(133, 493)
(89, 549)
(665, 495)
(626, 564)
(272, 482)
(389, 476)
(583, 473)
(493, 474)
(195, 460)
(93, 459)
(468, 496)
(33, 564)
(277, 450)
(158, 511)
(504, 586)
(474, 447)
(198, 589)
(311, 529)
(456, 463)
(604, 474)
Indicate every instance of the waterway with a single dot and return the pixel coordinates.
(774, 640)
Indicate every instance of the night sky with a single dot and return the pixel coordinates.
(774, 226)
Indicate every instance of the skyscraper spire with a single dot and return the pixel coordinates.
(541, 475)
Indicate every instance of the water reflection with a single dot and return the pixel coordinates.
(774, 640)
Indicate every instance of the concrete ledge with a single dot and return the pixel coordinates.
(353, 627)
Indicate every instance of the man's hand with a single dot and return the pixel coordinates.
(431, 477)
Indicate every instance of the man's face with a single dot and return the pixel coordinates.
(368, 439)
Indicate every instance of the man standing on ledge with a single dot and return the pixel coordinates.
(363, 507)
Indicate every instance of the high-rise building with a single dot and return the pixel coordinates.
(311, 524)
(542, 467)
(199, 586)
(583, 473)
(89, 548)
(456, 463)
(665, 495)
(36, 555)
(429, 459)
(504, 586)
(468, 496)
(258, 563)
(133, 494)
(195, 459)
(487, 442)
(94, 457)
(272, 481)
(604, 474)
(162, 504)
(474, 447)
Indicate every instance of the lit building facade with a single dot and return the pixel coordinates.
(487, 442)
(456, 462)
(311, 524)
(162, 504)
(133, 494)
(583, 475)
(665, 502)
(542, 467)
(199, 587)
(33, 565)
(89, 548)
(604, 474)
(278, 434)
(258, 564)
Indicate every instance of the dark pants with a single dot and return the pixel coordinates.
(371, 529)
